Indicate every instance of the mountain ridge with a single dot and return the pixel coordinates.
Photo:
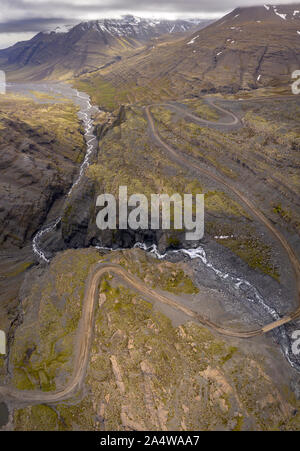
(88, 45)
(248, 48)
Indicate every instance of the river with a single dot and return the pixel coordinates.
(86, 110)
(246, 291)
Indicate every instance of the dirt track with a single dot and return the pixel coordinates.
(86, 327)
(232, 122)
(247, 202)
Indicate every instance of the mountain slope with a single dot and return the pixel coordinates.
(87, 46)
(248, 48)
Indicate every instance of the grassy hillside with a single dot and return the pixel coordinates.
(145, 372)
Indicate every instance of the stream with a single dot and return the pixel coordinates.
(85, 113)
(246, 291)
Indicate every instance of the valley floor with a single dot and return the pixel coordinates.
(149, 365)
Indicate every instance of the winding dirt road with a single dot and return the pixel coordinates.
(91, 297)
(233, 120)
(243, 198)
(86, 328)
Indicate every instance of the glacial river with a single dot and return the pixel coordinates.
(246, 291)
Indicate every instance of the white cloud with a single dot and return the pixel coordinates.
(21, 19)
(86, 9)
(8, 39)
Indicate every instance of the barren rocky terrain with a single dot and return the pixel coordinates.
(41, 358)
(249, 48)
(210, 113)
(42, 146)
(149, 367)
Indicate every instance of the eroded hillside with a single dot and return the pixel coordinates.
(41, 148)
(249, 48)
(149, 367)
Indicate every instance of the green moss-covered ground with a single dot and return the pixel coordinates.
(145, 373)
(43, 345)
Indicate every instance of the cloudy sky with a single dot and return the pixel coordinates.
(22, 19)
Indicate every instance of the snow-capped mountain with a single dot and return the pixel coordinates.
(251, 47)
(131, 26)
(88, 45)
(60, 29)
(136, 27)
